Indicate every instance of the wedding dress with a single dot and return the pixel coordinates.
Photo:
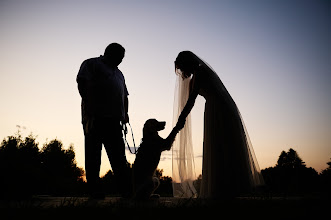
(229, 166)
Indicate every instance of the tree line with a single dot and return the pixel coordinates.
(291, 176)
(26, 170)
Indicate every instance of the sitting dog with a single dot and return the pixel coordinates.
(148, 157)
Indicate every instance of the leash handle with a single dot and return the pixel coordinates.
(125, 131)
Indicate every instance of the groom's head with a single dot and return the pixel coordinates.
(114, 54)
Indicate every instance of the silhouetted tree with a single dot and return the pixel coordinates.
(19, 166)
(290, 160)
(26, 170)
(29, 164)
(158, 173)
(326, 178)
(59, 169)
(290, 175)
(165, 188)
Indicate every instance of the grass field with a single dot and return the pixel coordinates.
(165, 208)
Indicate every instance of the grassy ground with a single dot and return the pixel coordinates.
(165, 208)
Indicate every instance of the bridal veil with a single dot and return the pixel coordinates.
(183, 169)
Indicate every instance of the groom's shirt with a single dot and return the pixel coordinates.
(102, 88)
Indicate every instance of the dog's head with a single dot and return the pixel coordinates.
(152, 126)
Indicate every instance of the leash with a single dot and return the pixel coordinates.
(126, 143)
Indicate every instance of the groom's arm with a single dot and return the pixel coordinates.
(126, 109)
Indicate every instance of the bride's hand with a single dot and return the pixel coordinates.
(180, 123)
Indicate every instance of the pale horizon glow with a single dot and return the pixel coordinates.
(274, 57)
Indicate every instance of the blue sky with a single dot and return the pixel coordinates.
(274, 57)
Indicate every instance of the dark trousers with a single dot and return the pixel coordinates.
(108, 132)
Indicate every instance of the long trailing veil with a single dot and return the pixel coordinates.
(183, 169)
(183, 157)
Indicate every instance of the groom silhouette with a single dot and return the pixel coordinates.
(104, 107)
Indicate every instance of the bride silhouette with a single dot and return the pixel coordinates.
(229, 165)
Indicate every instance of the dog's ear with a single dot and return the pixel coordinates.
(149, 126)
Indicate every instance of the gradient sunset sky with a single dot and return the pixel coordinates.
(274, 57)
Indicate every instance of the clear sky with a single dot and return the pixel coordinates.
(274, 57)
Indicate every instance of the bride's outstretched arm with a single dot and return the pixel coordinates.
(171, 138)
(189, 105)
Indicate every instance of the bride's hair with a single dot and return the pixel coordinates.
(186, 61)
